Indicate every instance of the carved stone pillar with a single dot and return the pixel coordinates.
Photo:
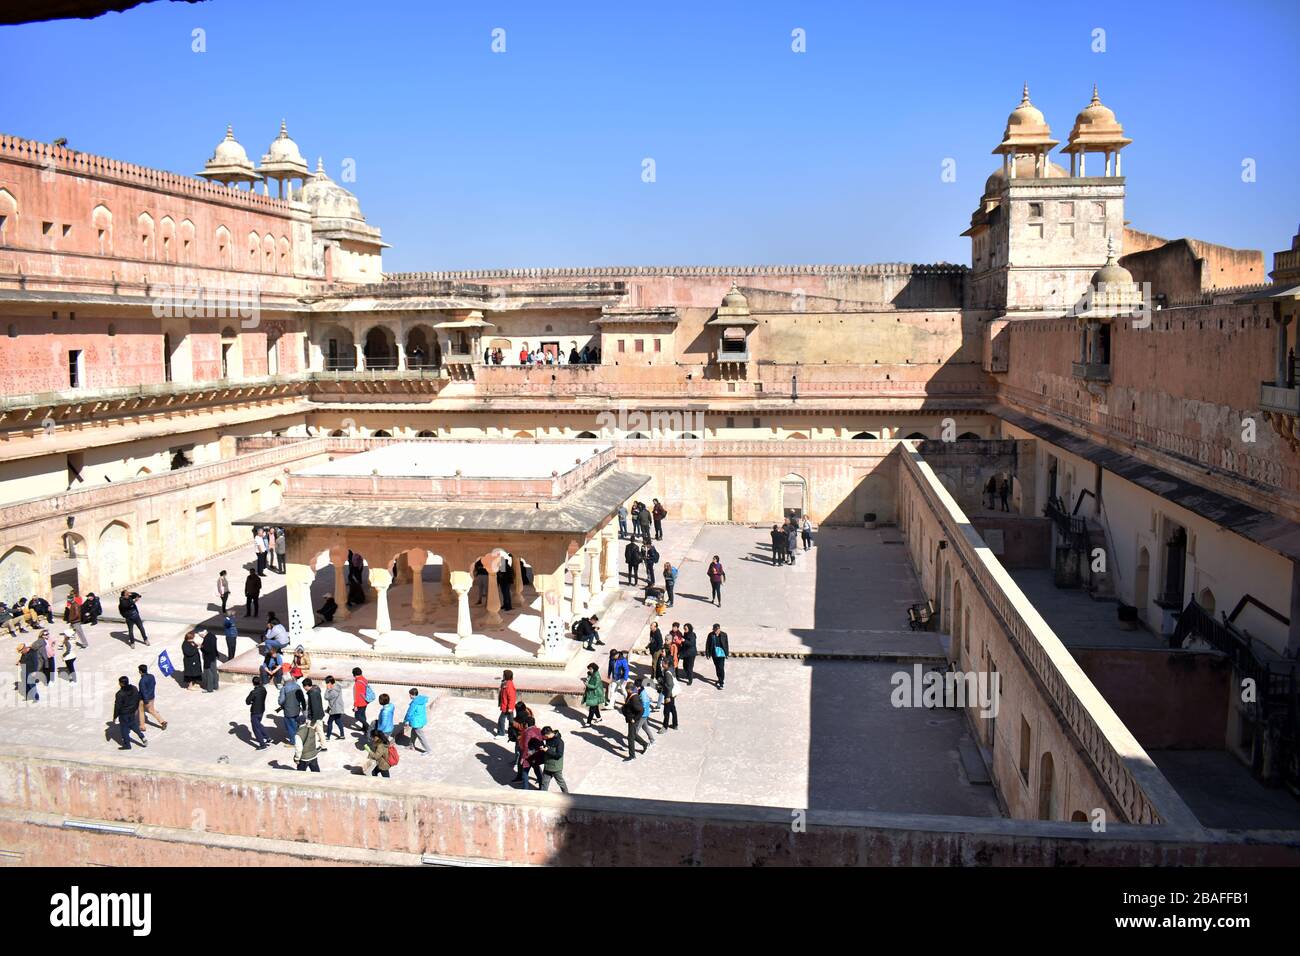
(380, 579)
(416, 558)
(593, 565)
(297, 587)
(492, 614)
(609, 557)
(340, 561)
(460, 583)
(517, 584)
(579, 599)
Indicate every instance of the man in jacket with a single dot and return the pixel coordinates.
(506, 700)
(72, 614)
(417, 715)
(650, 556)
(148, 691)
(717, 649)
(528, 755)
(31, 659)
(315, 708)
(126, 707)
(256, 701)
(252, 592)
(306, 748)
(589, 632)
(553, 759)
(778, 544)
(359, 702)
(281, 549)
(791, 540)
(643, 518)
(130, 611)
(634, 714)
(658, 512)
(334, 710)
(41, 607)
(291, 704)
(632, 554)
(208, 647)
(91, 609)
(622, 521)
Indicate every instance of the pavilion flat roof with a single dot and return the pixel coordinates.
(579, 512)
(478, 459)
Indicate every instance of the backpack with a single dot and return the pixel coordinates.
(392, 755)
(370, 694)
(573, 628)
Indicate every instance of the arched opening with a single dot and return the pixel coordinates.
(797, 436)
(916, 436)
(968, 436)
(426, 434)
(70, 572)
(1046, 788)
(1206, 600)
(380, 348)
(338, 350)
(637, 435)
(1078, 816)
(382, 433)
(231, 358)
(422, 349)
(523, 435)
(114, 561)
(586, 435)
(945, 616)
(866, 436)
(957, 632)
(17, 574)
(689, 436)
(338, 433)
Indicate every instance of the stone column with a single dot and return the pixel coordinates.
(361, 357)
(609, 557)
(593, 568)
(550, 588)
(339, 559)
(460, 583)
(297, 588)
(401, 357)
(517, 585)
(416, 558)
(380, 579)
(579, 601)
(492, 616)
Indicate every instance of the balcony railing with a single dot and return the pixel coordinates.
(1279, 399)
(1092, 371)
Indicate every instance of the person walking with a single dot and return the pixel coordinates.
(291, 704)
(223, 590)
(126, 708)
(362, 695)
(130, 611)
(281, 549)
(73, 614)
(527, 759)
(622, 671)
(622, 521)
(634, 715)
(593, 695)
(381, 756)
(68, 651)
(307, 748)
(806, 530)
(334, 708)
(657, 514)
(315, 710)
(384, 722)
(415, 719)
(507, 697)
(716, 577)
(670, 580)
(553, 759)
(791, 540)
(650, 557)
(632, 555)
(208, 648)
(256, 701)
(668, 692)
(252, 591)
(717, 649)
(148, 694)
(192, 656)
(690, 650)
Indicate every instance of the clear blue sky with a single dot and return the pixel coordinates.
(468, 158)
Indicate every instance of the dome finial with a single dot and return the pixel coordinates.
(230, 131)
(1095, 97)
(320, 165)
(1024, 99)
(1110, 251)
(284, 129)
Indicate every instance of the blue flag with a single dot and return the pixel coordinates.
(165, 665)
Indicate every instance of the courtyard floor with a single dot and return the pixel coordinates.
(819, 733)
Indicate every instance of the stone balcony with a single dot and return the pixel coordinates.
(728, 357)
(1280, 399)
(1091, 371)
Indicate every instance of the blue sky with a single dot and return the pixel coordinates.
(468, 158)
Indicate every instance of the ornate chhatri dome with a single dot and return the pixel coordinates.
(1095, 128)
(735, 299)
(1026, 127)
(1112, 274)
(327, 199)
(283, 156)
(229, 162)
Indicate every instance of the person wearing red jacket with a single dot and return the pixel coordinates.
(530, 754)
(359, 699)
(506, 698)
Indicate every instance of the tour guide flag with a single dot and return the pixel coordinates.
(165, 665)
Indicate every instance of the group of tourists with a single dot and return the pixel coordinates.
(269, 547)
(998, 489)
(785, 539)
(638, 522)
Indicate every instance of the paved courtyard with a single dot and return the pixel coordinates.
(820, 732)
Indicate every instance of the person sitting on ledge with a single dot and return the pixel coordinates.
(325, 614)
(277, 638)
